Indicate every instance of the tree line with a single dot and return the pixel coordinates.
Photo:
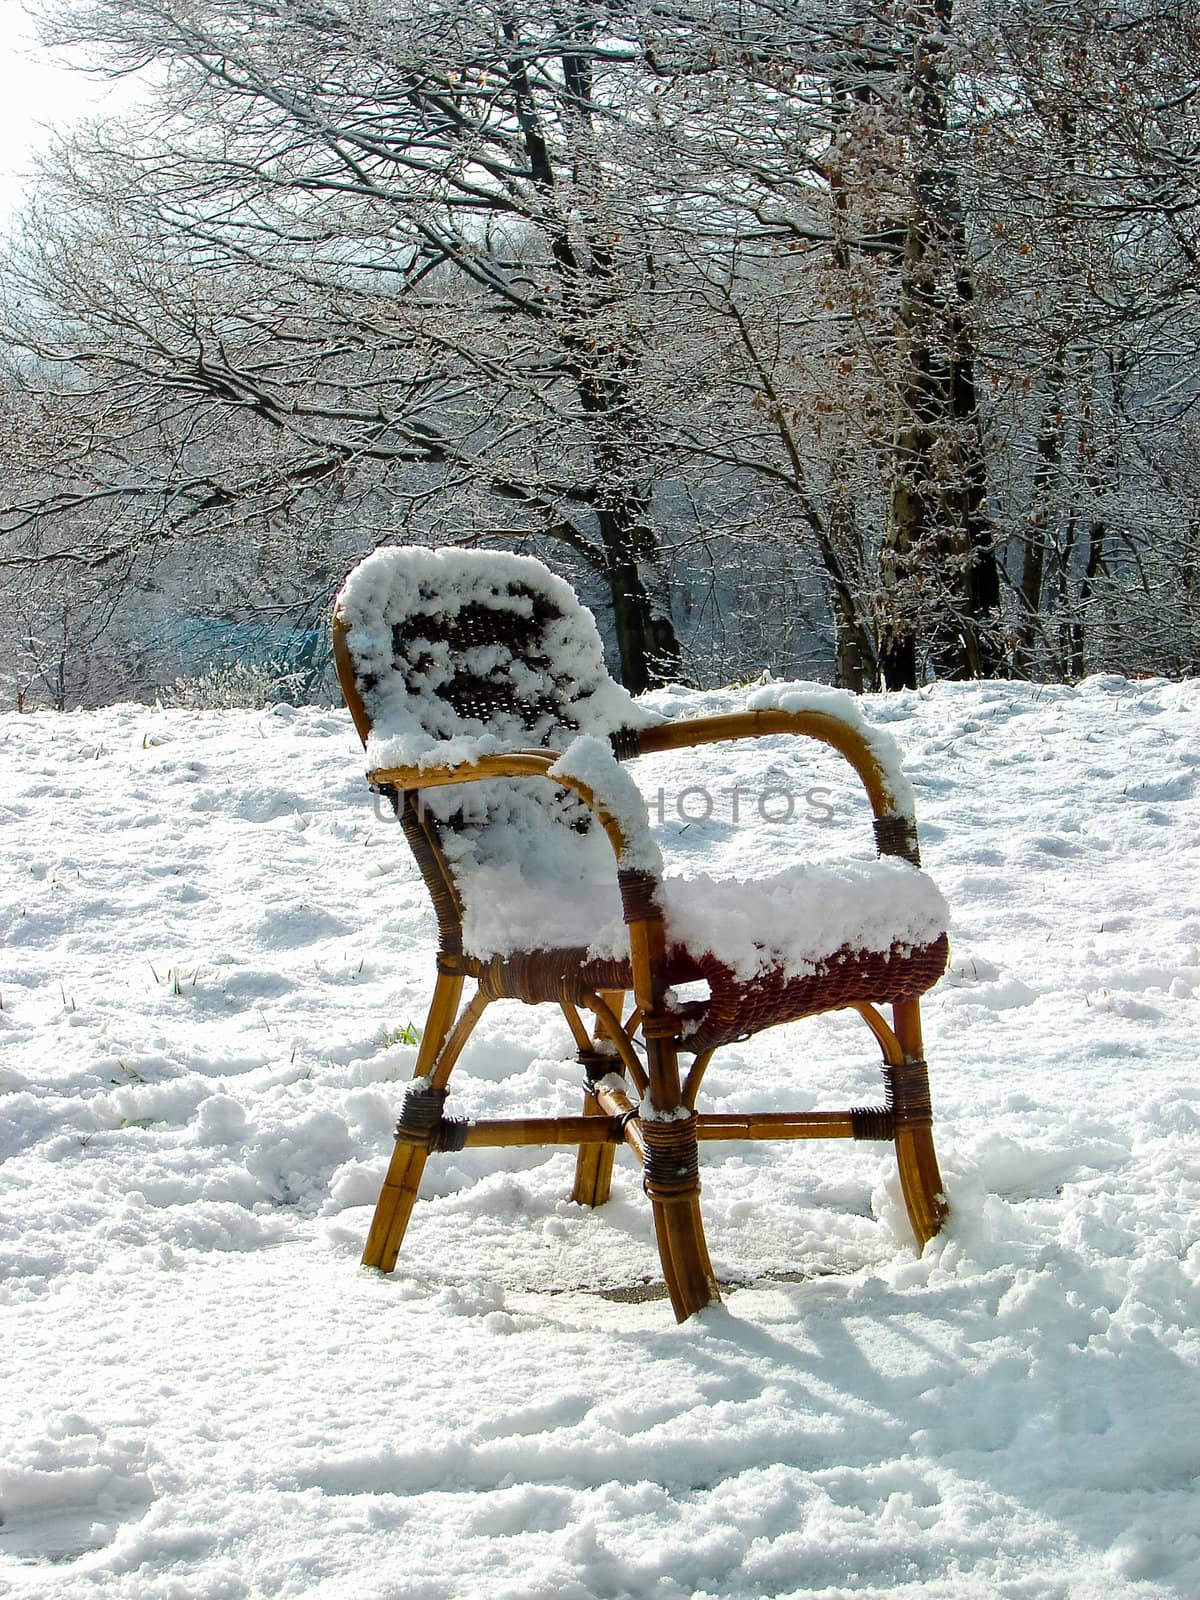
(859, 336)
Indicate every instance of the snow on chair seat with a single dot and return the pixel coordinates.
(477, 683)
(770, 949)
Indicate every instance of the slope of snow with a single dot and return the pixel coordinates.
(209, 947)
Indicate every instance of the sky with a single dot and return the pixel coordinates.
(36, 94)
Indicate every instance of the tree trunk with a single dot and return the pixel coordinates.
(1077, 631)
(600, 362)
(1033, 555)
(648, 649)
(854, 655)
(1102, 475)
(939, 567)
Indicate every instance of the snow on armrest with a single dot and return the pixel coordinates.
(840, 703)
(396, 745)
(591, 762)
(674, 704)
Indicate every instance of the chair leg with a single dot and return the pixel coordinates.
(394, 1206)
(399, 1193)
(593, 1165)
(683, 1250)
(921, 1182)
(916, 1158)
(672, 1182)
(909, 1101)
(594, 1162)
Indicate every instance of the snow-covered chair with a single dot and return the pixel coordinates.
(477, 683)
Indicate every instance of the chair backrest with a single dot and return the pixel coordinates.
(449, 654)
(476, 645)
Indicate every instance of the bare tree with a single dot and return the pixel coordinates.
(398, 242)
(908, 287)
(1087, 220)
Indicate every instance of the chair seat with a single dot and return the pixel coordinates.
(734, 1008)
(771, 950)
(796, 919)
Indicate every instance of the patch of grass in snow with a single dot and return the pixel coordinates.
(409, 1034)
(174, 979)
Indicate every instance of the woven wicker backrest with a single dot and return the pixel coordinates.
(459, 653)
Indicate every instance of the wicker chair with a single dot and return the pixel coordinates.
(483, 670)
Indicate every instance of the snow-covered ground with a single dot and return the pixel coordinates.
(210, 948)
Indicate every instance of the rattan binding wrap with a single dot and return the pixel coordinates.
(672, 1161)
(421, 1121)
(897, 836)
(906, 1093)
(540, 975)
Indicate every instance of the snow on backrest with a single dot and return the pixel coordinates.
(464, 653)
(480, 651)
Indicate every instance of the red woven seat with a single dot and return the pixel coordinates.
(477, 682)
(736, 1008)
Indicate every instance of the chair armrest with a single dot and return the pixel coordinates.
(871, 754)
(590, 771)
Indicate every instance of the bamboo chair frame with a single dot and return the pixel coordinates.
(661, 1125)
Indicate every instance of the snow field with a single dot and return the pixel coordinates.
(210, 950)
